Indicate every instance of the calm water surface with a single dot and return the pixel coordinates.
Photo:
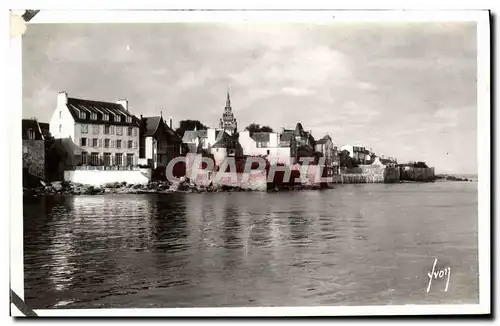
(352, 245)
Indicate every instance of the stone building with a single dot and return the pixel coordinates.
(301, 142)
(327, 148)
(33, 152)
(96, 133)
(228, 121)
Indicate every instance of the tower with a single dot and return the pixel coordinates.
(228, 122)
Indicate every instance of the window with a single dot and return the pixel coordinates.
(107, 158)
(267, 152)
(105, 117)
(85, 129)
(83, 115)
(83, 142)
(31, 134)
(60, 128)
(130, 144)
(93, 116)
(107, 129)
(118, 159)
(135, 131)
(130, 159)
(129, 131)
(129, 119)
(94, 158)
(85, 158)
(106, 143)
(119, 131)
(60, 114)
(94, 142)
(135, 144)
(118, 143)
(95, 129)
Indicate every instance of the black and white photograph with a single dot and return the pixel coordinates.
(324, 163)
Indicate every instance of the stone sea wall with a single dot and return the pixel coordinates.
(370, 174)
(34, 158)
(417, 174)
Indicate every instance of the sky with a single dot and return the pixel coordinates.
(406, 90)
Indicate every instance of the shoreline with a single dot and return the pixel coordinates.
(63, 188)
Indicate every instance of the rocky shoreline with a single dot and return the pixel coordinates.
(185, 186)
(69, 188)
(161, 187)
(443, 177)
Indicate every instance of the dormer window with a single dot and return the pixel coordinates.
(93, 116)
(129, 119)
(83, 115)
(105, 117)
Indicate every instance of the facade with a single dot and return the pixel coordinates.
(96, 133)
(266, 144)
(228, 121)
(360, 154)
(216, 142)
(301, 142)
(158, 144)
(33, 151)
(195, 140)
(330, 152)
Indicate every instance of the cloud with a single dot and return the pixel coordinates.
(388, 85)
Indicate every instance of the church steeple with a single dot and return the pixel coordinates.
(228, 122)
(228, 102)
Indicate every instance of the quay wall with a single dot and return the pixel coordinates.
(101, 177)
(373, 173)
(417, 174)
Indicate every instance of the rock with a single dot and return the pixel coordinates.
(57, 185)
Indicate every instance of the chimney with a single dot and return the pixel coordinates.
(169, 121)
(62, 98)
(123, 103)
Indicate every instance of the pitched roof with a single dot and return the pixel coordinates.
(190, 135)
(323, 140)
(88, 107)
(44, 126)
(224, 141)
(150, 125)
(172, 135)
(261, 136)
(31, 125)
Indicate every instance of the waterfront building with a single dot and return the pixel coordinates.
(327, 148)
(265, 144)
(359, 153)
(33, 151)
(158, 143)
(96, 133)
(301, 142)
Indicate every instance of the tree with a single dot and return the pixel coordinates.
(189, 125)
(255, 127)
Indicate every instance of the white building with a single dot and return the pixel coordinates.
(266, 144)
(96, 133)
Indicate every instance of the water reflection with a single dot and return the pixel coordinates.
(340, 246)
